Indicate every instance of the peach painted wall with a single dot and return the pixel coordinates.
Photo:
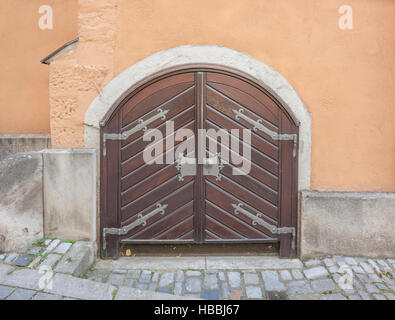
(24, 89)
(345, 77)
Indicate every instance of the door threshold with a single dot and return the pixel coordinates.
(170, 250)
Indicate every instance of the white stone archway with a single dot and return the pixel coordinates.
(205, 54)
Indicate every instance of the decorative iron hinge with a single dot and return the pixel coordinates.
(141, 220)
(256, 219)
(257, 124)
(211, 166)
(142, 125)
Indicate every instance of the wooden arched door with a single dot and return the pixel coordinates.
(243, 190)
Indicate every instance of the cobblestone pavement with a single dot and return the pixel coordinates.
(210, 277)
(329, 278)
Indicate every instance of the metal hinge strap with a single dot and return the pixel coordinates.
(257, 124)
(141, 220)
(142, 125)
(256, 219)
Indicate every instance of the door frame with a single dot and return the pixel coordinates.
(113, 241)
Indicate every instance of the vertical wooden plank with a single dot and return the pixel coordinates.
(200, 195)
(287, 207)
(110, 184)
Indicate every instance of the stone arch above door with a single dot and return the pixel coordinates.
(263, 75)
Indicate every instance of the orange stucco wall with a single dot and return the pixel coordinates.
(345, 77)
(24, 90)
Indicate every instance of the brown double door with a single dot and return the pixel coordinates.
(157, 186)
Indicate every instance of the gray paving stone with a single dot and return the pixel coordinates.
(390, 296)
(52, 246)
(77, 260)
(2, 257)
(329, 262)
(225, 290)
(338, 258)
(193, 285)
(333, 269)
(155, 277)
(383, 265)
(364, 278)
(11, 258)
(166, 279)
(23, 278)
(211, 295)
(145, 276)
(367, 267)
(23, 260)
(63, 247)
(133, 274)
(35, 262)
(379, 297)
(21, 294)
(164, 290)
(285, 275)
(299, 287)
(180, 275)
(308, 296)
(5, 291)
(335, 296)
(234, 279)
(374, 278)
(221, 276)
(357, 269)
(211, 271)
(381, 286)
(391, 261)
(116, 279)
(251, 278)
(47, 242)
(46, 296)
(323, 285)
(210, 281)
(192, 295)
(129, 283)
(271, 281)
(315, 273)
(193, 273)
(364, 295)
(371, 288)
(51, 260)
(374, 265)
(120, 271)
(311, 263)
(253, 292)
(350, 261)
(297, 274)
(178, 288)
(35, 250)
(354, 297)
(142, 286)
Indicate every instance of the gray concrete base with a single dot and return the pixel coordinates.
(21, 201)
(349, 223)
(47, 193)
(16, 143)
(70, 194)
